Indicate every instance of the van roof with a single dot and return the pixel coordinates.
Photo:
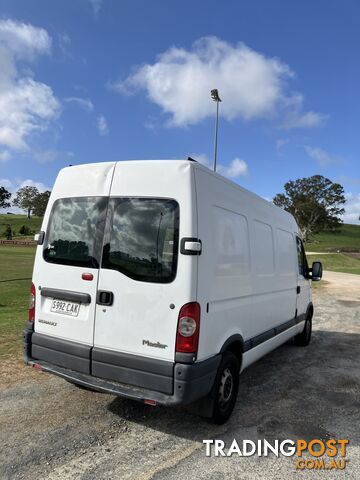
(174, 163)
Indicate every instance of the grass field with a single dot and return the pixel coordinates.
(337, 262)
(16, 222)
(15, 277)
(347, 238)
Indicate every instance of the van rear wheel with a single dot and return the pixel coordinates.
(303, 339)
(225, 388)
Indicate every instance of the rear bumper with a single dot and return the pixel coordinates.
(164, 383)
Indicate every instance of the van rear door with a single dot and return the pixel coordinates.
(144, 280)
(137, 281)
(66, 267)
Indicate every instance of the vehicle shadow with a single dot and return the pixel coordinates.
(293, 392)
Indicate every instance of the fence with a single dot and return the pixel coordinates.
(18, 243)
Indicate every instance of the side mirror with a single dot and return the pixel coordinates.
(39, 238)
(316, 271)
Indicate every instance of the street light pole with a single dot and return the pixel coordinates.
(217, 99)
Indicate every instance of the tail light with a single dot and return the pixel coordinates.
(187, 337)
(32, 298)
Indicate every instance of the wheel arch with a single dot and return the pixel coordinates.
(234, 344)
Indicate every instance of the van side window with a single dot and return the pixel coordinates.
(302, 262)
(142, 238)
(75, 231)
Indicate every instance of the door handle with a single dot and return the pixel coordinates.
(298, 289)
(104, 297)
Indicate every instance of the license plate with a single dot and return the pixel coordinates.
(65, 308)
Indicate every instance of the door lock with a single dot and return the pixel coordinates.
(104, 297)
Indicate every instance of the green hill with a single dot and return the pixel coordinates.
(338, 262)
(346, 240)
(17, 221)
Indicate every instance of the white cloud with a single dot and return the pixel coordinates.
(5, 155)
(26, 106)
(50, 155)
(250, 84)
(102, 126)
(16, 183)
(6, 183)
(236, 168)
(152, 123)
(322, 157)
(21, 39)
(352, 208)
(295, 117)
(33, 183)
(349, 180)
(281, 142)
(64, 42)
(96, 6)
(84, 103)
(304, 120)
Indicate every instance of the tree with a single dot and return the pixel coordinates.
(24, 230)
(8, 232)
(316, 203)
(4, 197)
(40, 203)
(25, 198)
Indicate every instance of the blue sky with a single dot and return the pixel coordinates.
(95, 80)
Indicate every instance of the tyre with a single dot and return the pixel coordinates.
(225, 388)
(303, 339)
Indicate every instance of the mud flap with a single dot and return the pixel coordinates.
(204, 407)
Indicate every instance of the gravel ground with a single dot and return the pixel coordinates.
(50, 429)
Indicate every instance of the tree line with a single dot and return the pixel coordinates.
(26, 198)
(316, 203)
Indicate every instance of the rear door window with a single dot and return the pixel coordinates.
(142, 238)
(75, 231)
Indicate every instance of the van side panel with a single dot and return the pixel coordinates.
(247, 270)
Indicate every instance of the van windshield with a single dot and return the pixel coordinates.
(75, 232)
(142, 238)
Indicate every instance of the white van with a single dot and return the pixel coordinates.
(160, 281)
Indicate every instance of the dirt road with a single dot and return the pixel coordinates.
(50, 429)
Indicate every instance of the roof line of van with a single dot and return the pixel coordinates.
(237, 186)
